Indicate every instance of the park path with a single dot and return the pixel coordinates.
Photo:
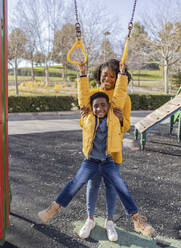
(24, 123)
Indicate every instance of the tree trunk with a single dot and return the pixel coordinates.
(139, 77)
(32, 71)
(165, 75)
(46, 73)
(16, 76)
(65, 72)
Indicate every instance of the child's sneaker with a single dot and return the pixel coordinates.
(141, 226)
(111, 231)
(48, 213)
(87, 228)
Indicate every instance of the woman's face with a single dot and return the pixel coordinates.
(108, 79)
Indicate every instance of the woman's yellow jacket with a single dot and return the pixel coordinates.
(118, 98)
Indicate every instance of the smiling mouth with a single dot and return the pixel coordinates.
(101, 113)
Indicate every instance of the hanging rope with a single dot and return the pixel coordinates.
(130, 27)
(78, 43)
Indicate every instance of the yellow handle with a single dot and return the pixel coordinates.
(77, 44)
(125, 52)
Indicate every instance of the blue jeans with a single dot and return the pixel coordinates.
(89, 168)
(92, 194)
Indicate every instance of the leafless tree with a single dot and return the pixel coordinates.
(107, 51)
(138, 53)
(164, 28)
(63, 41)
(16, 49)
(40, 19)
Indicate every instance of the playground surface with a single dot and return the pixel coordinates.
(44, 154)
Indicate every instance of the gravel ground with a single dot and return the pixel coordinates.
(41, 164)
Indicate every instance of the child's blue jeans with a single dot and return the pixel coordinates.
(90, 168)
(92, 194)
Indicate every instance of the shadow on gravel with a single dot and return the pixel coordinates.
(8, 245)
(162, 143)
(41, 164)
(175, 153)
(51, 232)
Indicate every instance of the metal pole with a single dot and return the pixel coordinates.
(4, 180)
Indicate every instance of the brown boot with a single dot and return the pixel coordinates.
(47, 213)
(141, 226)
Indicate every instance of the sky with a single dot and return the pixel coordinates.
(121, 8)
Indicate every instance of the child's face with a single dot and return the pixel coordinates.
(100, 107)
(108, 79)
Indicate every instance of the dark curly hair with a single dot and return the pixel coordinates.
(97, 95)
(113, 65)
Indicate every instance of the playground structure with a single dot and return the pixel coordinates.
(4, 181)
(171, 109)
(78, 43)
(174, 118)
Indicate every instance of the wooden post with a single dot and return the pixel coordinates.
(4, 181)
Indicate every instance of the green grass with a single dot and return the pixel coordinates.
(13, 93)
(147, 75)
(142, 78)
(142, 74)
(37, 78)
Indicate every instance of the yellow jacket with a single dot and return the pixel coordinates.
(118, 98)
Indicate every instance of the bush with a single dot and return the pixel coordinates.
(39, 103)
(144, 102)
(75, 102)
(148, 102)
(177, 77)
(93, 83)
(62, 103)
(24, 72)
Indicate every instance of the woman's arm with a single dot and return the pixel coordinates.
(126, 115)
(120, 91)
(83, 88)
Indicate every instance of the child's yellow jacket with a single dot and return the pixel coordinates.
(118, 98)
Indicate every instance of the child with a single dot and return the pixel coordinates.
(101, 140)
(106, 75)
(99, 158)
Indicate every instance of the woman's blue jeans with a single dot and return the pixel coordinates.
(89, 168)
(92, 194)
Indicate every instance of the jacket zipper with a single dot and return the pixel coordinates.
(94, 135)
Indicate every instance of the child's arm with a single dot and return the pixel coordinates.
(120, 91)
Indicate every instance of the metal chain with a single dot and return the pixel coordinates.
(130, 25)
(77, 24)
(76, 11)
